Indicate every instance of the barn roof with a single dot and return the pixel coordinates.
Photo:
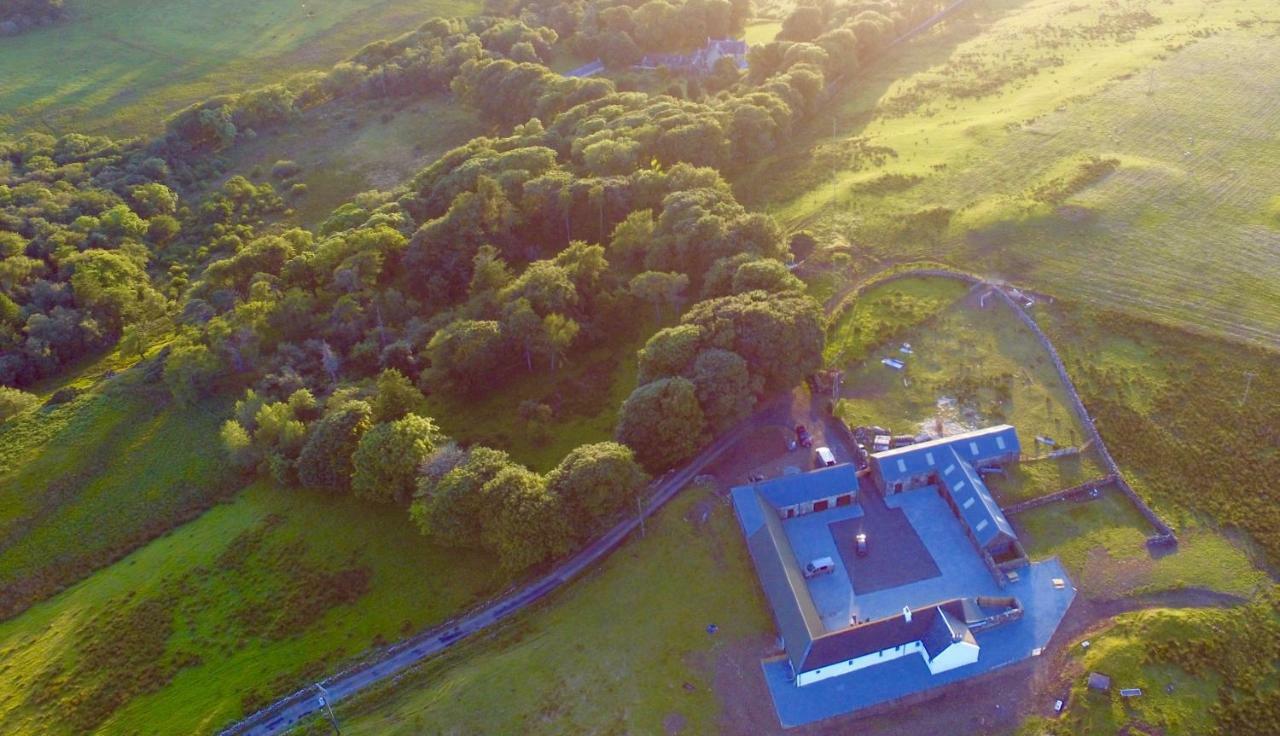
(784, 584)
(789, 490)
(977, 507)
(977, 448)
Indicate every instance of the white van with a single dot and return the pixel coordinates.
(820, 566)
(825, 458)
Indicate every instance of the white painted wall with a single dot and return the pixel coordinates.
(956, 655)
(866, 660)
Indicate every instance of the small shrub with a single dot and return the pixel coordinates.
(285, 169)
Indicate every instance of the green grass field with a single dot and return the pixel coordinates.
(345, 149)
(1103, 544)
(971, 367)
(121, 66)
(250, 601)
(624, 650)
(969, 145)
(84, 482)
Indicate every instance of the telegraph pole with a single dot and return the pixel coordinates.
(324, 701)
(1248, 383)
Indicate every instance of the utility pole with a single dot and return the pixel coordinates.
(834, 159)
(324, 701)
(1248, 383)
(640, 513)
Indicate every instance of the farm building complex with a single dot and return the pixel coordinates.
(908, 566)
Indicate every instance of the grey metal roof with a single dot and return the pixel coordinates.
(977, 448)
(789, 490)
(977, 507)
(784, 585)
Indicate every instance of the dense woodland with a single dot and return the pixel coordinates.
(17, 16)
(506, 256)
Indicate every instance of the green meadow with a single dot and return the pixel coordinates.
(624, 650)
(1115, 152)
(121, 66)
(255, 598)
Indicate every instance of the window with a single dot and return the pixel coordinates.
(1000, 441)
(928, 458)
(897, 488)
(973, 447)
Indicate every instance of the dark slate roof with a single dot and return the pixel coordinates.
(789, 490)
(976, 448)
(979, 510)
(784, 585)
(936, 626)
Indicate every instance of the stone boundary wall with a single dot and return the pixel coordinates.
(1164, 533)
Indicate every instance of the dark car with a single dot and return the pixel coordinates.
(860, 544)
(803, 438)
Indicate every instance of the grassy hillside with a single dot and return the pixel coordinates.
(1200, 671)
(253, 599)
(84, 482)
(1064, 143)
(624, 651)
(1190, 419)
(121, 66)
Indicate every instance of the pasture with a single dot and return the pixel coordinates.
(624, 650)
(252, 600)
(1064, 145)
(1103, 544)
(70, 504)
(119, 67)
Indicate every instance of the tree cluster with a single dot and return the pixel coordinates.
(420, 62)
(705, 374)
(81, 219)
(372, 439)
(621, 31)
(17, 16)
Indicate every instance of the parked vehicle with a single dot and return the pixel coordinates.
(860, 544)
(824, 457)
(803, 438)
(820, 566)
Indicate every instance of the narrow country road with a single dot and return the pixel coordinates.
(287, 712)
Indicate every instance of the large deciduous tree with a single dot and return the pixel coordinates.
(596, 482)
(387, 458)
(663, 423)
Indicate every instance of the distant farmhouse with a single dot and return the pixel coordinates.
(933, 572)
(701, 61)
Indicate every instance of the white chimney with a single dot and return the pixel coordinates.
(906, 613)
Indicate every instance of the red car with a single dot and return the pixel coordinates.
(803, 438)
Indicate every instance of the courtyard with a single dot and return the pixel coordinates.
(918, 555)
